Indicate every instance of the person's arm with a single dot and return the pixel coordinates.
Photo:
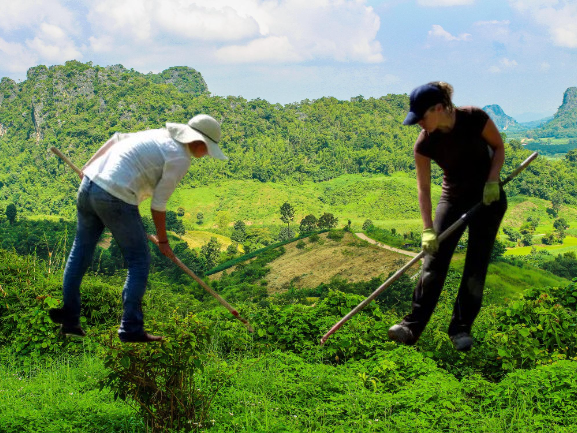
(159, 219)
(423, 166)
(493, 137)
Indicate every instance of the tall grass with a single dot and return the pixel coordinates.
(60, 395)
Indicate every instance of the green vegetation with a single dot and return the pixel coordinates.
(323, 164)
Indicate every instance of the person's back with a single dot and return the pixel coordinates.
(143, 164)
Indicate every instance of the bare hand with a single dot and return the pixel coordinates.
(164, 247)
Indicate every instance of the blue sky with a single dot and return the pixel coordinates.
(520, 54)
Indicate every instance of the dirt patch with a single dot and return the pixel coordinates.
(350, 258)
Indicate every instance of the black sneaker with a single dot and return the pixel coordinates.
(61, 317)
(143, 337)
(401, 334)
(72, 330)
(462, 341)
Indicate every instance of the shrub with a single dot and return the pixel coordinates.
(336, 235)
(367, 224)
(163, 380)
(300, 244)
(314, 238)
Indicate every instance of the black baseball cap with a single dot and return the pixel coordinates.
(422, 98)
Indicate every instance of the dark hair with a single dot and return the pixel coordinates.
(447, 91)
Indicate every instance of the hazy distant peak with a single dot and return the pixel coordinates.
(503, 122)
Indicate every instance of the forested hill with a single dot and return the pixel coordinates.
(502, 121)
(564, 123)
(77, 106)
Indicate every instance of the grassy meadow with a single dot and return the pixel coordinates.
(390, 201)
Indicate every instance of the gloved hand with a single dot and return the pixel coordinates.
(490, 193)
(430, 241)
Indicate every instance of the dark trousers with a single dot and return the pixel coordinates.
(483, 228)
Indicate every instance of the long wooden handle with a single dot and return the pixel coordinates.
(175, 259)
(205, 286)
(442, 236)
(66, 160)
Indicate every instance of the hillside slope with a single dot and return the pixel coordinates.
(564, 122)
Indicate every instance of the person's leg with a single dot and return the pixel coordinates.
(483, 229)
(89, 229)
(126, 225)
(434, 271)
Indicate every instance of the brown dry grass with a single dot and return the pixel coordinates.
(350, 258)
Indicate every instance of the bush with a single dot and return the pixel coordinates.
(336, 235)
(367, 225)
(300, 244)
(163, 380)
(314, 238)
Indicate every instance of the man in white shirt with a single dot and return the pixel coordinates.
(127, 169)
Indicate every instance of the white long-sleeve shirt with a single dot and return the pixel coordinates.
(141, 165)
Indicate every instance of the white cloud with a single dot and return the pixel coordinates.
(504, 65)
(544, 66)
(444, 3)
(53, 44)
(20, 14)
(270, 49)
(558, 16)
(15, 57)
(275, 31)
(439, 32)
(105, 44)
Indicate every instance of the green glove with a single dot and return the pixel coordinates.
(490, 193)
(430, 241)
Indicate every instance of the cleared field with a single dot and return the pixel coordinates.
(197, 238)
(350, 258)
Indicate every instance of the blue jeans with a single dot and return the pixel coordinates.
(97, 209)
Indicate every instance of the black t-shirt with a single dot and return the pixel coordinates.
(462, 153)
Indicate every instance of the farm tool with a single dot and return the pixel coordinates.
(464, 218)
(175, 259)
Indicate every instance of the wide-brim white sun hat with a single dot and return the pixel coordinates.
(201, 127)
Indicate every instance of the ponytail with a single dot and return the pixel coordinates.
(447, 91)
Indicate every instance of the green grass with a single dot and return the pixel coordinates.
(505, 281)
(60, 395)
(281, 393)
(389, 201)
(569, 244)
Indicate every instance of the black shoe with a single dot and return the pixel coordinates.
(143, 337)
(401, 334)
(72, 330)
(462, 341)
(60, 316)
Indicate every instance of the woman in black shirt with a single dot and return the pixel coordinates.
(468, 147)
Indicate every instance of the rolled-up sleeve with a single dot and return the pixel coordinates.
(172, 174)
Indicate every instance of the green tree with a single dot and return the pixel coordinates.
(200, 218)
(527, 240)
(308, 224)
(327, 221)
(239, 232)
(11, 213)
(211, 252)
(367, 225)
(560, 224)
(287, 214)
(498, 250)
(174, 224)
(512, 234)
(285, 234)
